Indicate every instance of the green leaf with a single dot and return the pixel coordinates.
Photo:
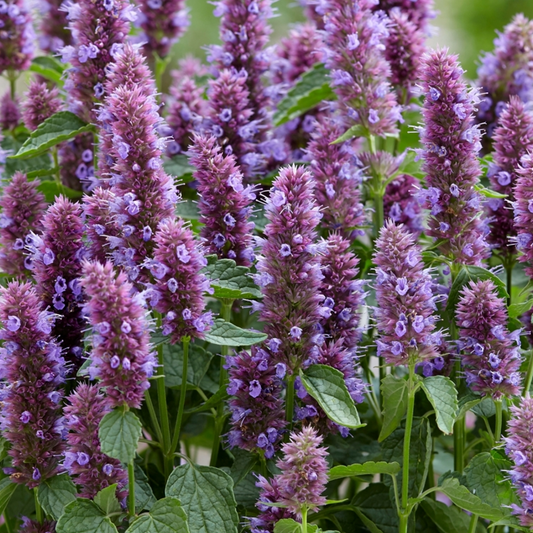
(84, 516)
(230, 281)
(7, 488)
(107, 500)
(366, 521)
(242, 465)
(42, 162)
(52, 189)
(464, 499)
(488, 193)
(166, 516)
(49, 68)
(326, 385)
(54, 130)
(394, 392)
(485, 407)
(447, 519)
(144, 496)
(119, 434)
(178, 166)
(198, 364)
(517, 310)
(442, 394)
(311, 89)
(288, 525)
(206, 494)
(368, 468)
(466, 403)
(188, 209)
(376, 504)
(227, 334)
(355, 131)
(55, 494)
(220, 395)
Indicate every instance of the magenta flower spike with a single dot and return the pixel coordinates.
(31, 411)
(420, 12)
(405, 303)
(40, 103)
(32, 526)
(490, 353)
(451, 143)
(400, 203)
(76, 162)
(122, 357)
(53, 29)
(23, 208)
(523, 212)
(225, 203)
(9, 112)
(269, 515)
(90, 469)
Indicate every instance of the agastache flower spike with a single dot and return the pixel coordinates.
(179, 286)
(33, 371)
(355, 40)
(40, 103)
(523, 212)
(225, 203)
(405, 304)
(269, 515)
(122, 358)
(32, 526)
(451, 143)
(518, 449)
(90, 469)
(490, 354)
(53, 30)
(9, 112)
(420, 12)
(400, 203)
(56, 258)
(23, 208)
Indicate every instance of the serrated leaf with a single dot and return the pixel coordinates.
(54, 130)
(488, 193)
(376, 504)
(230, 281)
(446, 519)
(178, 166)
(7, 488)
(368, 468)
(42, 162)
(327, 386)
(52, 189)
(206, 494)
(107, 500)
(55, 494)
(311, 89)
(394, 391)
(119, 434)
(288, 525)
(227, 334)
(366, 521)
(48, 68)
(198, 363)
(188, 209)
(144, 496)
(166, 516)
(442, 395)
(84, 516)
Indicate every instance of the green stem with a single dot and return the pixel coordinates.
(473, 524)
(459, 430)
(38, 509)
(304, 519)
(404, 519)
(509, 270)
(153, 416)
(13, 86)
(163, 413)
(183, 394)
(529, 374)
(131, 490)
(498, 431)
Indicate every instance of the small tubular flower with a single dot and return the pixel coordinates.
(401, 204)
(23, 208)
(40, 103)
(523, 212)
(225, 203)
(90, 469)
(33, 374)
(490, 355)
(122, 357)
(405, 310)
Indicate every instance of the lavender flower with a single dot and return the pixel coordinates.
(405, 310)
(9, 112)
(56, 258)
(490, 354)
(401, 205)
(523, 212)
(121, 353)
(451, 143)
(257, 417)
(33, 373)
(513, 138)
(225, 203)
(355, 40)
(518, 448)
(269, 515)
(18, 37)
(40, 103)
(53, 31)
(420, 12)
(76, 162)
(179, 286)
(23, 208)
(91, 469)
(31, 526)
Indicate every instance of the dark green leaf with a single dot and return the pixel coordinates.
(242, 465)
(84, 516)
(446, 519)
(442, 394)
(166, 516)
(230, 281)
(326, 385)
(369, 468)
(41, 163)
(55, 494)
(394, 391)
(376, 504)
(485, 408)
(119, 434)
(107, 500)
(52, 189)
(219, 396)
(7, 488)
(227, 334)
(466, 403)
(198, 363)
(144, 496)
(178, 166)
(367, 522)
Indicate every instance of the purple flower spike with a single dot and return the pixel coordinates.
(523, 212)
(31, 526)
(91, 469)
(401, 204)
(9, 112)
(419, 12)
(53, 30)
(490, 356)
(518, 449)
(225, 203)
(451, 143)
(40, 104)
(405, 307)
(23, 208)
(268, 515)
(355, 41)
(112, 302)
(31, 411)
(291, 283)
(179, 287)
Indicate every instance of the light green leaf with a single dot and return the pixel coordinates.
(7, 488)
(206, 494)
(41, 163)
(198, 363)
(355, 131)
(368, 468)
(227, 334)
(52, 189)
(54, 130)
(488, 193)
(119, 434)
(84, 516)
(517, 310)
(166, 516)
(394, 392)
(326, 385)
(107, 500)
(230, 281)
(466, 403)
(442, 394)
(49, 68)
(447, 519)
(288, 525)
(55, 494)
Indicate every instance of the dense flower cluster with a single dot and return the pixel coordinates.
(17, 36)
(40, 103)
(523, 212)
(53, 29)
(9, 112)
(32, 526)
(420, 12)
(400, 203)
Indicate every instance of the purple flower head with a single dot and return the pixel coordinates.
(9, 112)
(450, 152)
(30, 359)
(419, 12)
(54, 34)
(490, 356)
(523, 217)
(269, 515)
(32, 526)
(401, 205)
(40, 103)
(111, 299)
